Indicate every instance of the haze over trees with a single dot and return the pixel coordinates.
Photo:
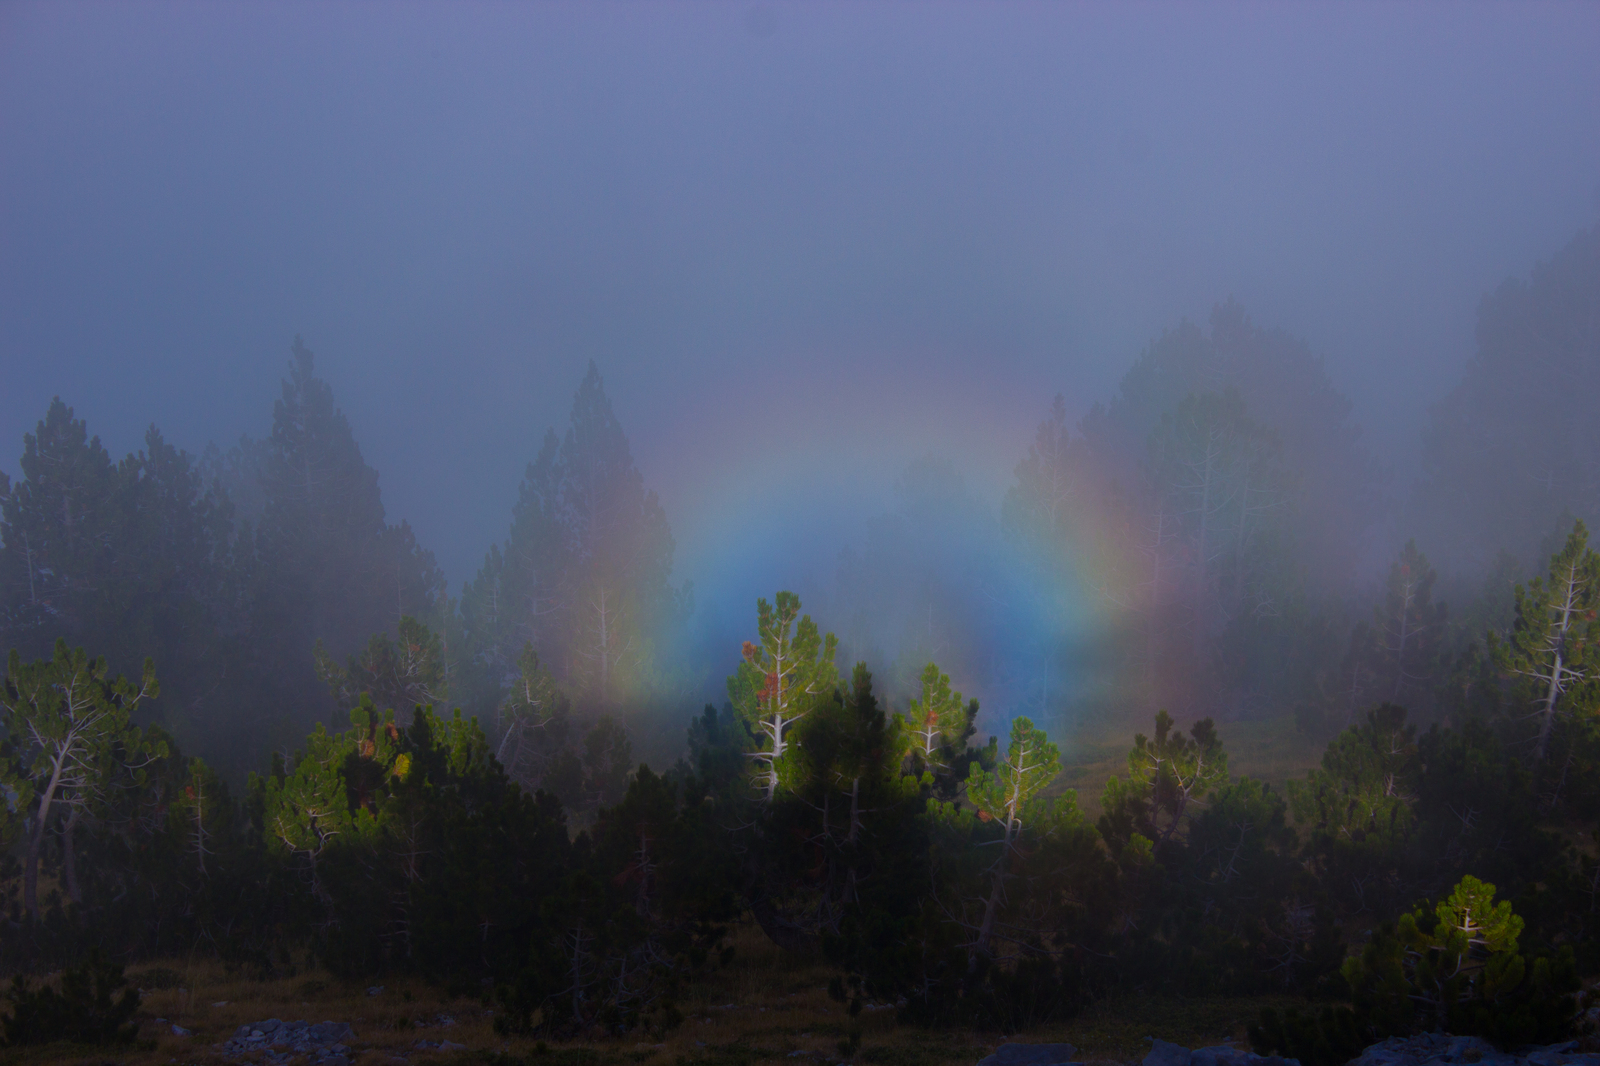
(394, 780)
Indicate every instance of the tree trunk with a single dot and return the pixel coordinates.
(991, 906)
(69, 857)
(30, 868)
(1547, 715)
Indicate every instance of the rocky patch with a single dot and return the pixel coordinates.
(324, 1043)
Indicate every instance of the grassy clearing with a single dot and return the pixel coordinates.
(1273, 751)
(762, 1008)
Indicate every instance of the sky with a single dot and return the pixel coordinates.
(804, 243)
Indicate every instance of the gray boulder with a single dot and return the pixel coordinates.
(1441, 1049)
(323, 1043)
(1165, 1054)
(1031, 1055)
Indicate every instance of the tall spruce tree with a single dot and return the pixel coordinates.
(131, 558)
(1515, 445)
(1409, 631)
(1285, 387)
(1219, 475)
(584, 574)
(620, 554)
(326, 567)
(62, 528)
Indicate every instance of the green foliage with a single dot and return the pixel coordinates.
(1553, 647)
(639, 903)
(1328, 1037)
(938, 721)
(1006, 793)
(1357, 810)
(87, 1010)
(1457, 968)
(533, 721)
(1398, 657)
(396, 674)
(1167, 774)
(782, 677)
(71, 747)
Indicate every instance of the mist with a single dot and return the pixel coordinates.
(744, 531)
(807, 247)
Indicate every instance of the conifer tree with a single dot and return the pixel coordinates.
(326, 568)
(937, 717)
(131, 558)
(61, 528)
(1169, 774)
(70, 733)
(1006, 796)
(584, 573)
(1515, 444)
(1221, 475)
(779, 681)
(1285, 387)
(1409, 629)
(532, 722)
(1554, 642)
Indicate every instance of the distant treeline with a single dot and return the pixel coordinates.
(1216, 511)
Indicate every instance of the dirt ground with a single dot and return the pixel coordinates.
(761, 1008)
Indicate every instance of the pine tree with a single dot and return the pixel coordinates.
(326, 567)
(1169, 774)
(937, 718)
(1006, 796)
(584, 574)
(532, 721)
(131, 558)
(70, 732)
(396, 674)
(61, 530)
(1220, 474)
(1515, 445)
(1409, 630)
(1555, 639)
(779, 681)
(1286, 388)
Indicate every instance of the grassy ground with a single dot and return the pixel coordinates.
(1271, 751)
(760, 1009)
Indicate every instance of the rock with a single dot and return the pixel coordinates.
(1221, 1055)
(178, 1030)
(1030, 1055)
(1426, 1049)
(329, 1032)
(375, 990)
(443, 1045)
(323, 1042)
(1437, 1048)
(1165, 1054)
